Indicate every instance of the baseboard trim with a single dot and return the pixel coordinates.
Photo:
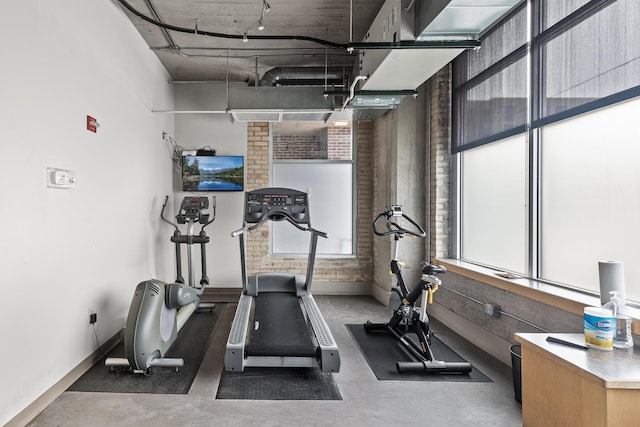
(341, 288)
(45, 399)
(380, 294)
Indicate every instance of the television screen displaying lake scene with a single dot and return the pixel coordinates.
(213, 173)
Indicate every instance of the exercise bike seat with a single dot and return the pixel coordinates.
(432, 269)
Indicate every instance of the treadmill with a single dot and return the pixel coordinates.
(277, 321)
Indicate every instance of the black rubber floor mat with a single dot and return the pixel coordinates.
(278, 384)
(382, 351)
(191, 345)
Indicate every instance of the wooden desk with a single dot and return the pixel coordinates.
(565, 386)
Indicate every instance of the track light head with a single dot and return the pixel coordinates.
(260, 25)
(244, 37)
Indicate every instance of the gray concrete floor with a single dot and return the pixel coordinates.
(366, 401)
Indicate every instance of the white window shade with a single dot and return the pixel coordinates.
(494, 204)
(590, 205)
(330, 203)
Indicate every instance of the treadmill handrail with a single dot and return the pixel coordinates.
(239, 231)
(318, 232)
(257, 225)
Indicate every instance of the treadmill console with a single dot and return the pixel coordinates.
(277, 204)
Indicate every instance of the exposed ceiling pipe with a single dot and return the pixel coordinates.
(352, 89)
(172, 43)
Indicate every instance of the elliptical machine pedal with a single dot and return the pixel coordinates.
(159, 310)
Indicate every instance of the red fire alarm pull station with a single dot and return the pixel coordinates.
(92, 124)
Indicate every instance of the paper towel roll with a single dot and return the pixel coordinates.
(611, 279)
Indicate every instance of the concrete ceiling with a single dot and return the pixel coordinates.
(304, 43)
(198, 57)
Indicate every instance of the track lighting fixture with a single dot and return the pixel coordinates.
(260, 23)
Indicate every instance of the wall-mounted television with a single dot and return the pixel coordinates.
(213, 173)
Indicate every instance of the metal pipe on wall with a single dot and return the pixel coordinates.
(501, 312)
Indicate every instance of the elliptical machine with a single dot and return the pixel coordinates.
(159, 310)
(406, 317)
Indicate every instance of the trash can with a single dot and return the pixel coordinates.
(516, 366)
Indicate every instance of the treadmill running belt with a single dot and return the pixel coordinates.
(281, 327)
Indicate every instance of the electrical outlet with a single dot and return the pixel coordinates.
(492, 310)
(93, 316)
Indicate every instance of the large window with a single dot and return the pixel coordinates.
(494, 201)
(315, 158)
(590, 196)
(548, 145)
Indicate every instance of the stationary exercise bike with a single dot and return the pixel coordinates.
(406, 317)
(159, 310)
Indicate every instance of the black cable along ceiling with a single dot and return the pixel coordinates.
(196, 31)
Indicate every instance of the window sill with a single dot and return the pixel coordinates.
(555, 296)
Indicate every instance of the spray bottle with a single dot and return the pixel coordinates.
(622, 334)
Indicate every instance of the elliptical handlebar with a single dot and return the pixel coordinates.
(164, 205)
(213, 216)
(395, 228)
(192, 216)
(192, 211)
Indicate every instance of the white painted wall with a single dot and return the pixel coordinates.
(64, 251)
(194, 131)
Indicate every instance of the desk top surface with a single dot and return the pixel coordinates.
(619, 368)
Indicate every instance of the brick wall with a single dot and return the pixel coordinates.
(333, 143)
(352, 269)
(339, 143)
(440, 158)
(299, 147)
(364, 164)
(257, 165)
(257, 162)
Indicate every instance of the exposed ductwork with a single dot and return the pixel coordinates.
(445, 21)
(392, 63)
(352, 89)
(275, 104)
(304, 76)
